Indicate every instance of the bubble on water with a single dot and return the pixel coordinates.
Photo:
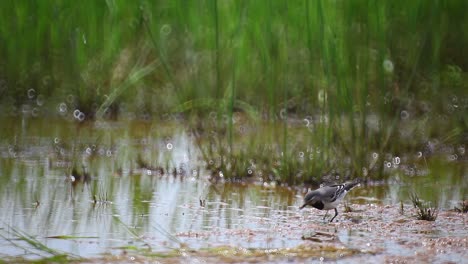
(40, 100)
(212, 115)
(388, 66)
(221, 174)
(388, 164)
(461, 150)
(81, 116)
(108, 153)
(301, 154)
(306, 122)
(396, 160)
(76, 113)
(169, 146)
(70, 99)
(166, 29)
(375, 155)
(249, 171)
(88, 151)
(31, 93)
(404, 115)
(211, 162)
(56, 140)
(311, 156)
(35, 112)
(283, 113)
(321, 259)
(364, 171)
(419, 154)
(322, 96)
(62, 108)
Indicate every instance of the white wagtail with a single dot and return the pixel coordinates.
(328, 197)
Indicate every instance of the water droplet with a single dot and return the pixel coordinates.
(81, 116)
(166, 30)
(396, 160)
(461, 150)
(70, 99)
(169, 146)
(35, 112)
(322, 96)
(40, 100)
(76, 113)
(404, 115)
(31, 93)
(212, 115)
(283, 113)
(62, 108)
(388, 66)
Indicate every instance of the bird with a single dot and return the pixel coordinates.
(328, 197)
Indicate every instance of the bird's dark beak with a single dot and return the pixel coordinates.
(304, 205)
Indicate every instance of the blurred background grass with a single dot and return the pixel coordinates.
(363, 77)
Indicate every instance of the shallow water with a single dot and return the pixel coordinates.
(119, 206)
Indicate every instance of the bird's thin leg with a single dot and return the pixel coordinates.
(336, 213)
(326, 213)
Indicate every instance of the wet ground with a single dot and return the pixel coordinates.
(113, 211)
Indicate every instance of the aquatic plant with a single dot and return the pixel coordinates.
(424, 210)
(463, 207)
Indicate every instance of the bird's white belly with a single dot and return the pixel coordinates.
(333, 205)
